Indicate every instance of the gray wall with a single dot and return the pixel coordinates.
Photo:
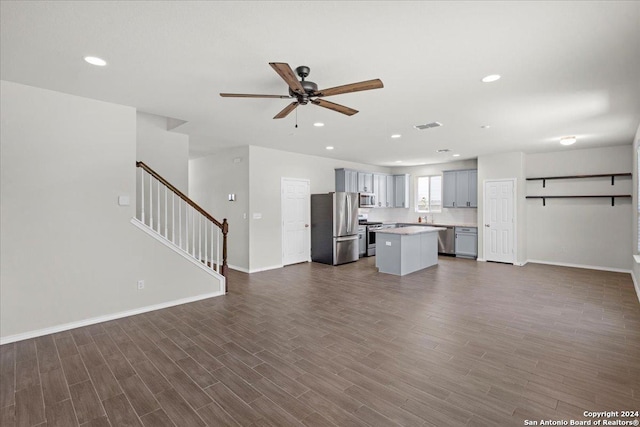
(163, 151)
(211, 180)
(68, 250)
(586, 232)
(635, 192)
(503, 166)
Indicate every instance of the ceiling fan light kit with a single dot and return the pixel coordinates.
(305, 91)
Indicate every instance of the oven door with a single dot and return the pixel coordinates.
(371, 240)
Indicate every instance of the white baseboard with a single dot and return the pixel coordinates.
(636, 285)
(520, 264)
(481, 260)
(588, 267)
(235, 267)
(255, 270)
(105, 318)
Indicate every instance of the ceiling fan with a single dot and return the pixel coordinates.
(304, 91)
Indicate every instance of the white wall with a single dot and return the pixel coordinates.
(163, 151)
(211, 180)
(467, 216)
(585, 232)
(635, 192)
(68, 251)
(504, 166)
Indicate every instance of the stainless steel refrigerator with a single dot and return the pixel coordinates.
(334, 228)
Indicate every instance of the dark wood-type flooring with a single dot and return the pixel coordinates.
(463, 343)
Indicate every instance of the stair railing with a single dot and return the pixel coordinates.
(168, 212)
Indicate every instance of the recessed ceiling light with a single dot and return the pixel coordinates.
(318, 124)
(568, 140)
(398, 161)
(491, 78)
(456, 155)
(94, 60)
(396, 135)
(485, 126)
(329, 148)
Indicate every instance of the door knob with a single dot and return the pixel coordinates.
(486, 225)
(306, 225)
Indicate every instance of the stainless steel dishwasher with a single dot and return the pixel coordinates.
(447, 241)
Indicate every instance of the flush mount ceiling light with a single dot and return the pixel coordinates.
(396, 136)
(491, 78)
(318, 124)
(568, 140)
(329, 148)
(94, 60)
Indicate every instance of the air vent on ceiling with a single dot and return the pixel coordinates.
(443, 150)
(428, 125)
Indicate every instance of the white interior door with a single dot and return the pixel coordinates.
(295, 221)
(499, 221)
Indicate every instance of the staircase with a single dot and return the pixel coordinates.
(170, 216)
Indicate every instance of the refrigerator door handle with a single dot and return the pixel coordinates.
(348, 213)
(347, 238)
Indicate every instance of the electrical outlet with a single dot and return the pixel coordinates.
(140, 285)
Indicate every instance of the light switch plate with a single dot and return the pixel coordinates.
(257, 215)
(124, 201)
(387, 243)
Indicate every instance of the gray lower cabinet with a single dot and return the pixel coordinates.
(401, 189)
(466, 242)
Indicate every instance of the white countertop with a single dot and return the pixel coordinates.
(439, 224)
(410, 230)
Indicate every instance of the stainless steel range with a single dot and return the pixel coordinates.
(372, 226)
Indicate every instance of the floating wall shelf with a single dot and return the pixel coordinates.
(612, 196)
(605, 175)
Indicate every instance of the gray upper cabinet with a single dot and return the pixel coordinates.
(449, 189)
(347, 180)
(365, 182)
(460, 189)
(380, 189)
(401, 189)
(391, 191)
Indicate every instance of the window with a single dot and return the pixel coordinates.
(429, 194)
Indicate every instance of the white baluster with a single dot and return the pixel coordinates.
(211, 243)
(166, 217)
(180, 223)
(193, 233)
(200, 237)
(158, 217)
(150, 201)
(173, 218)
(142, 196)
(186, 225)
(218, 250)
(205, 241)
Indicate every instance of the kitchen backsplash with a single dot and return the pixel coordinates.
(447, 216)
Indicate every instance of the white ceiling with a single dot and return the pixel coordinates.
(569, 68)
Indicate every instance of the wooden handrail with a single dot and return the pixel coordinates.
(224, 225)
(179, 193)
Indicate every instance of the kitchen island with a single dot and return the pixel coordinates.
(404, 250)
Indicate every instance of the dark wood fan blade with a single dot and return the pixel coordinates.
(335, 107)
(285, 112)
(353, 87)
(248, 95)
(285, 71)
